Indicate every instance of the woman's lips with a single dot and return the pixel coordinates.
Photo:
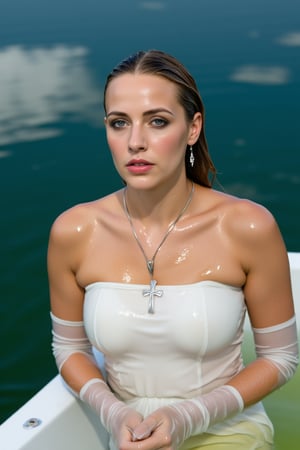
(139, 166)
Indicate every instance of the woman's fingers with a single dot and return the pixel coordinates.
(144, 429)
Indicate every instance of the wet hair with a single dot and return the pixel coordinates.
(155, 62)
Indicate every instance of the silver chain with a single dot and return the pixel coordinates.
(150, 262)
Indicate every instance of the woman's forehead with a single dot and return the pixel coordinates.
(133, 87)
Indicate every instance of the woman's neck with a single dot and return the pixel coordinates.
(159, 206)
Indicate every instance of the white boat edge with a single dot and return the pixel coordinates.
(55, 419)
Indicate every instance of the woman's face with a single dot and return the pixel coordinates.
(147, 130)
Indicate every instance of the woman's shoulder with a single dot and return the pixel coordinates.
(244, 218)
(79, 220)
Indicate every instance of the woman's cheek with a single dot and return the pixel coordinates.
(172, 145)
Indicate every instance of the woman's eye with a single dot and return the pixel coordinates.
(159, 123)
(118, 123)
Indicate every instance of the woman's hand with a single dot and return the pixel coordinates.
(164, 429)
(168, 427)
(124, 421)
(118, 418)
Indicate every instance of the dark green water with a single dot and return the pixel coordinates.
(54, 57)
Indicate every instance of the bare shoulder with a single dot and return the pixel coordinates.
(252, 222)
(78, 222)
(252, 236)
(246, 220)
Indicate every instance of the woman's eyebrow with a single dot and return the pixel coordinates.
(116, 113)
(146, 113)
(156, 111)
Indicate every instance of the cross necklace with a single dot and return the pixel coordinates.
(152, 292)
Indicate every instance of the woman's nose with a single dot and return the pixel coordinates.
(137, 140)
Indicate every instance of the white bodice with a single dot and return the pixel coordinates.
(191, 344)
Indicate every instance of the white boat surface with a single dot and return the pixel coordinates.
(55, 419)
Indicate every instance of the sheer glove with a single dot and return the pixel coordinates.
(175, 423)
(278, 344)
(117, 418)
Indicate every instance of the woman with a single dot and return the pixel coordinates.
(158, 276)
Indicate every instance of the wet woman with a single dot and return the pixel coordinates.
(158, 276)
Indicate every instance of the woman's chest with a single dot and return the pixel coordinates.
(196, 319)
(186, 256)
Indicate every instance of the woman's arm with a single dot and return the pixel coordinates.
(69, 237)
(269, 302)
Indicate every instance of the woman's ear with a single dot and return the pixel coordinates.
(195, 128)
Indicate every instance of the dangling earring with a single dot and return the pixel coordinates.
(192, 157)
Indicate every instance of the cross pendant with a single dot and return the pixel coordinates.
(151, 293)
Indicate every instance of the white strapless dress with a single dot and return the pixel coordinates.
(189, 346)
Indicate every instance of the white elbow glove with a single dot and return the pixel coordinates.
(69, 337)
(190, 417)
(279, 345)
(118, 418)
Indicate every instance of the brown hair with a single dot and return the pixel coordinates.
(158, 63)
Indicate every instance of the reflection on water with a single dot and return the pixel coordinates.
(41, 86)
(261, 75)
(5, 154)
(290, 39)
(153, 6)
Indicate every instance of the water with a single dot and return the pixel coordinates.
(54, 57)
